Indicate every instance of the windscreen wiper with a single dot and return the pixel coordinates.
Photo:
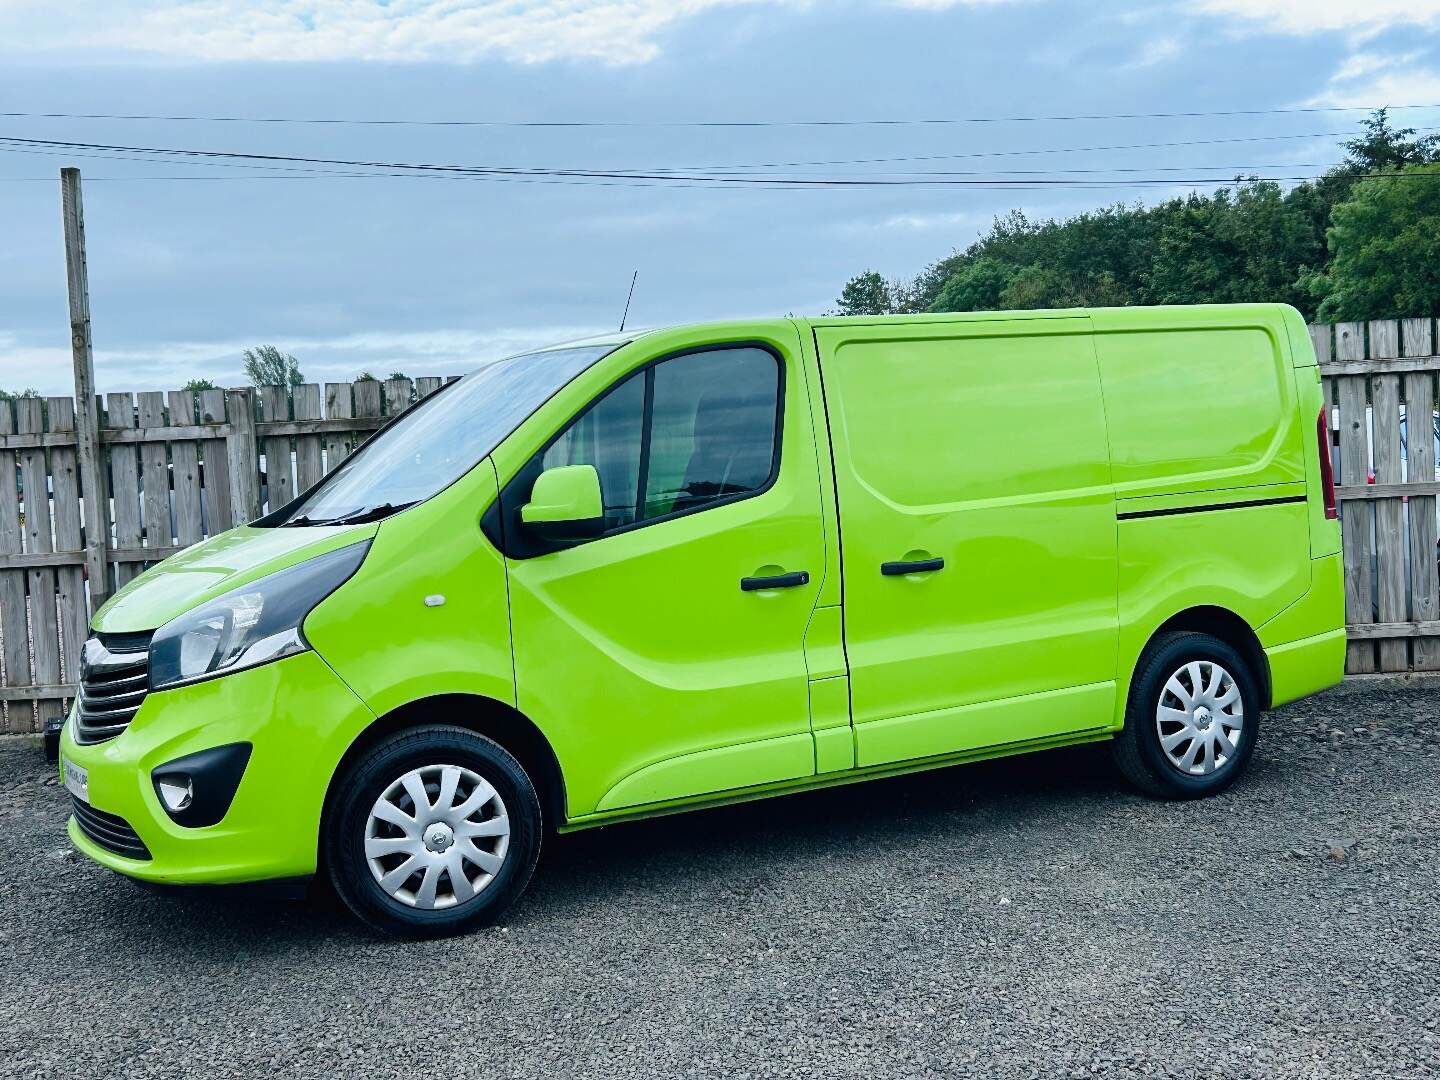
(355, 517)
(368, 513)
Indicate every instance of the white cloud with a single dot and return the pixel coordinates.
(946, 5)
(917, 222)
(1156, 51)
(1406, 86)
(528, 31)
(1371, 79)
(1361, 64)
(1322, 16)
(1368, 77)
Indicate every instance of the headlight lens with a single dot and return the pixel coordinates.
(250, 625)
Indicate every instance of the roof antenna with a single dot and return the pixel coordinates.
(630, 297)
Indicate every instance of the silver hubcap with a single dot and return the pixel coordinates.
(437, 837)
(1200, 718)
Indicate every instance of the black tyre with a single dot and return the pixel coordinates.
(1191, 720)
(435, 831)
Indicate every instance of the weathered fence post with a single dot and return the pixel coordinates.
(243, 453)
(1391, 587)
(1419, 413)
(1357, 518)
(87, 422)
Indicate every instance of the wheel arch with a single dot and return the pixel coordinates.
(496, 720)
(1230, 628)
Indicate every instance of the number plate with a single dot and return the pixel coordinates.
(77, 781)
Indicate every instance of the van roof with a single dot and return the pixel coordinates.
(1201, 314)
(1105, 318)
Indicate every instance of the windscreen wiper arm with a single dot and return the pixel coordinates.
(355, 517)
(368, 513)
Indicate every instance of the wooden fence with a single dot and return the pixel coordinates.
(1380, 380)
(175, 468)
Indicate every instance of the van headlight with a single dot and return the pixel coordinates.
(250, 625)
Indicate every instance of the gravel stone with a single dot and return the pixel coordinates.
(1023, 918)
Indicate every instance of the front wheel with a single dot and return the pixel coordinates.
(435, 831)
(1191, 719)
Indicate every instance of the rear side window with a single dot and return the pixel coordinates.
(677, 437)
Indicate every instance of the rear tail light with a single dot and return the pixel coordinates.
(1327, 471)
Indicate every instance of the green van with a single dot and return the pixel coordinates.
(663, 570)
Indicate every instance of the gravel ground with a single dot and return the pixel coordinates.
(1020, 918)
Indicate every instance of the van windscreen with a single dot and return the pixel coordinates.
(439, 440)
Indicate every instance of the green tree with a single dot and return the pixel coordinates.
(1380, 148)
(13, 395)
(1249, 245)
(196, 385)
(366, 376)
(1098, 258)
(397, 375)
(1383, 148)
(974, 285)
(865, 294)
(265, 365)
(1384, 250)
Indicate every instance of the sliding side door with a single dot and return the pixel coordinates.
(977, 525)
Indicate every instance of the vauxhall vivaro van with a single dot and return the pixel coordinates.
(663, 570)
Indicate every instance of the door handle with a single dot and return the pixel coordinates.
(918, 566)
(775, 581)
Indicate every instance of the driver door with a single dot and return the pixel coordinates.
(655, 673)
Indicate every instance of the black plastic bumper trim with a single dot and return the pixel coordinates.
(215, 776)
(109, 831)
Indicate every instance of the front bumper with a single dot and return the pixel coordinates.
(299, 718)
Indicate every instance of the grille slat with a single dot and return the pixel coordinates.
(109, 831)
(119, 685)
(114, 679)
(122, 705)
(94, 734)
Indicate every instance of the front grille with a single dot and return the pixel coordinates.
(114, 679)
(109, 831)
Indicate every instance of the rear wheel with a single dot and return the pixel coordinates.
(1191, 719)
(435, 831)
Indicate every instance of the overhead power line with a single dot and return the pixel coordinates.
(882, 122)
(282, 172)
(711, 179)
(731, 167)
(733, 174)
(269, 165)
(998, 185)
(1033, 152)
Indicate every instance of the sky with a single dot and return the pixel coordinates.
(191, 260)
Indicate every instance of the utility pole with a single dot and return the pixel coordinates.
(87, 421)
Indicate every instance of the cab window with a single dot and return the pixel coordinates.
(678, 436)
(713, 426)
(607, 435)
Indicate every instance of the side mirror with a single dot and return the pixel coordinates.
(565, 504)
